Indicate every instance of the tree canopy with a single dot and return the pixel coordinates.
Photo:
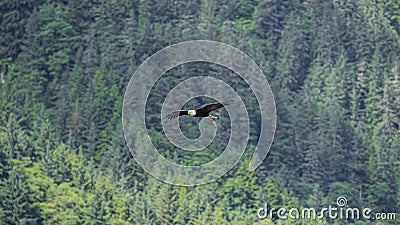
(333, 66)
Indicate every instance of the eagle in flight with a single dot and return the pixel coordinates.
(204, 111)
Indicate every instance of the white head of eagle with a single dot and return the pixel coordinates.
(192, 112)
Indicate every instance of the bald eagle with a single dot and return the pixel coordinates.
(204, 111)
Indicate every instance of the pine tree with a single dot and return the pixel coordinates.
(63, 205)
(166, 204)
(14, 17)
(15, 195)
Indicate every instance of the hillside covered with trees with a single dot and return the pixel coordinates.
(333, 66)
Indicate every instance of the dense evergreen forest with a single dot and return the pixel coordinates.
(333, 66)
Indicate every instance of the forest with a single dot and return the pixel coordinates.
(333, 67)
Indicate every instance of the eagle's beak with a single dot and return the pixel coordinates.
(188, 113)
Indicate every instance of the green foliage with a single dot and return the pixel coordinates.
(16, 197)
(64, 67)
(63, 205)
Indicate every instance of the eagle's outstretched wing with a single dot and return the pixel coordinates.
(175, 114)
(213, 106)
